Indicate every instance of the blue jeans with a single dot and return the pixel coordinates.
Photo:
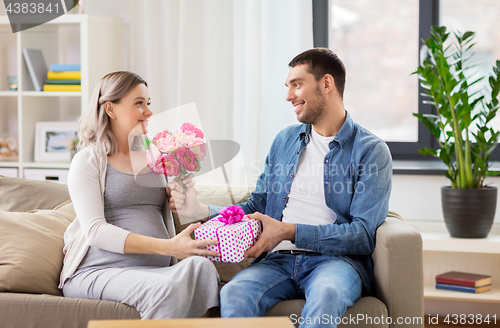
(327, 283)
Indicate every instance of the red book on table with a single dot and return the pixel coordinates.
(463, 279)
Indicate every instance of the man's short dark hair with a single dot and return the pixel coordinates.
(323, 61)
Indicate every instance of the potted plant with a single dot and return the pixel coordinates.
(462, 128)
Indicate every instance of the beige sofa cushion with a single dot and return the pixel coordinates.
(48, 311)
(31, 249)
(22, 195)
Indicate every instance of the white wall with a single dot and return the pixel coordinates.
(418, 197)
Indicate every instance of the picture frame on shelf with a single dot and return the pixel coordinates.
(53, 141)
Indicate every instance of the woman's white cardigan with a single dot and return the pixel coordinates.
(86, 184)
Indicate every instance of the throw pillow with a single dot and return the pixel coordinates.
(21, 195)
(31, 246)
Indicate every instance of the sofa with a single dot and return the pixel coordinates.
(35, 214)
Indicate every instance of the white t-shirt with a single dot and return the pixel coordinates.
(306, 200)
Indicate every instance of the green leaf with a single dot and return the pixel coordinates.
(427, 151)
(444, 156)
(480, 79)
(467, 35)
(447, 174)
(430, 121)
(480, 162)
(147, 142)
(199, 166)
(455, 98)
(183, 170)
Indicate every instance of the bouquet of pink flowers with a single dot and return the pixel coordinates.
(173, 153)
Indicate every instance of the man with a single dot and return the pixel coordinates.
(323, 194)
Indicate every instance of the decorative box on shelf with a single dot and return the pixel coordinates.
(53, 175)
(9, 172)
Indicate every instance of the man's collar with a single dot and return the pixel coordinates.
(344, 133)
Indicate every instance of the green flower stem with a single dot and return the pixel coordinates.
(181, 183)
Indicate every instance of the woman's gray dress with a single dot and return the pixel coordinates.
(146, 282)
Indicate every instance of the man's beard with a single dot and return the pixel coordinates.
(316, 112)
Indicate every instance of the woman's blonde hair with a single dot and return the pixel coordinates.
(93, 126)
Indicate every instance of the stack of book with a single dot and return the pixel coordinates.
(463, 282)
(62, 77)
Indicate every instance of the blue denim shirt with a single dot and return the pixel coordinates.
(357, 182)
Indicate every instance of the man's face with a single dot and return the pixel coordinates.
(305, 95)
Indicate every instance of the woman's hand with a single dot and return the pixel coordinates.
(185, 202)
(183, 246)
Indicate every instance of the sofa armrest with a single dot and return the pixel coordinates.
(398, 272)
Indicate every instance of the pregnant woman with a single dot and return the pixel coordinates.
(122, 245)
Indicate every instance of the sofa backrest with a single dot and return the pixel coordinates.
(22, 195)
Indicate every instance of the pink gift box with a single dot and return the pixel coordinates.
(234, 239)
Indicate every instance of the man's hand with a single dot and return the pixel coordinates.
(273, 233)
(185, 202)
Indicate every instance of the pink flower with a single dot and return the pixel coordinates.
(191, 127)
(186, 159)
(167, 143)
(165, 164)
(158, 167)
(183, 138)
(172, 153)
(160, 135)
(231, 214)
(152, 156)
(198, 147)
(171, 166)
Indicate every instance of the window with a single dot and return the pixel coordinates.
(481, 17)
(380, 44)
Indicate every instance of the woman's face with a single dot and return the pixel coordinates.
(132, 111)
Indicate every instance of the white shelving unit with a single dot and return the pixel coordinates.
(443, 253)
(95, 42)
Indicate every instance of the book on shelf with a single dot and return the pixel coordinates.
(36, 67)
(463, 279)
(61, 87)
(67, 75)
(65, 67)
(62, 81)
(465, 289)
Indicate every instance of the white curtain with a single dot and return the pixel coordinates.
(230, 58)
